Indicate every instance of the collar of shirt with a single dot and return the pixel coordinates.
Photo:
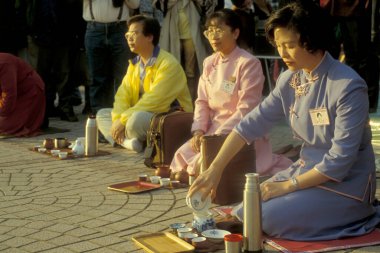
(151, 60)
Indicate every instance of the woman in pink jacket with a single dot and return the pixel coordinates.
(230, 86)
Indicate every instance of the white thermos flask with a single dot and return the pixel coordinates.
(91, 147)
(252, 214)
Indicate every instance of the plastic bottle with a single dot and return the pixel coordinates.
(91, 147)
(252, 214)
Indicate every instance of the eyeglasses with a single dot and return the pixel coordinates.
(215, 32)
(131, 35)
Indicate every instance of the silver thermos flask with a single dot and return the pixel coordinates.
(252, 214)
(91, 147)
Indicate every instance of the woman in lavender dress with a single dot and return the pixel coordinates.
(329, 192)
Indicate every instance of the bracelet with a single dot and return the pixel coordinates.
(294, 182)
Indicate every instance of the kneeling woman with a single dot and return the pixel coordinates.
(329, 192)
(22, 98)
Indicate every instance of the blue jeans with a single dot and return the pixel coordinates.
(107, 54)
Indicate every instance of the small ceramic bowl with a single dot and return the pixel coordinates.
(164, 181)
(196, 203)
(176, 226)
(143, 177)
(183, 231)
(189, 236)
(155, 179)
(175, 183)
(215, 235)
(55, 152)
(199, 242)
(62, 155)
(41, 150)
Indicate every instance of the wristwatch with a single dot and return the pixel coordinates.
(294, 182)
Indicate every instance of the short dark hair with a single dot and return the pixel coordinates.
(151, 26)
(306, 18)
(228, 16)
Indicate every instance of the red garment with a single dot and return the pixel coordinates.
(22, 97)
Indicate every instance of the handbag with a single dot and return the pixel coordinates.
(167, 132)
(231, 185)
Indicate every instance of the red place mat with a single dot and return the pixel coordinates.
(370, 239)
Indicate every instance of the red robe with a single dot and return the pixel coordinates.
(22, 97)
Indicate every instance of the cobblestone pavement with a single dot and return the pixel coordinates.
(51, 205)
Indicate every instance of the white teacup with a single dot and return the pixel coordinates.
(164, 181)
(55, 152)
(62, 155)
(155, 179)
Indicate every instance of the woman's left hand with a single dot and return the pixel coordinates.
(270, 190)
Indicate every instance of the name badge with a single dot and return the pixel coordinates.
(319, 117)
(228, 86)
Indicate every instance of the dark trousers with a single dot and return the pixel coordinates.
(107, 54)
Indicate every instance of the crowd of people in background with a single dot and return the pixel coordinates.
(71, 43)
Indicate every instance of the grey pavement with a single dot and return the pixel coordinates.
(52, 205)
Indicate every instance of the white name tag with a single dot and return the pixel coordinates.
(319, 117)
(228, 86)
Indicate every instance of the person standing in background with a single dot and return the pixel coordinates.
(13, 28)
(106, 48)
(352, 25)
(181, 34)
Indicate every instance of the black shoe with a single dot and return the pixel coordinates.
(67, 114)
(101, 138)
(53, 112)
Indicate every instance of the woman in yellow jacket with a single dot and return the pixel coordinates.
(154, 81)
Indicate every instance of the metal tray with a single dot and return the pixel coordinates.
(134, 187)
(163, 243)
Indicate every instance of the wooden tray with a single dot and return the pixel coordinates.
(162, 243)
(70, 154)
(134, 187)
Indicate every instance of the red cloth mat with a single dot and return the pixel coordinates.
(372, 238)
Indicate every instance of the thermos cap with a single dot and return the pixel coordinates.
(233, 238)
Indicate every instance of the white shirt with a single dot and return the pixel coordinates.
(104, 12)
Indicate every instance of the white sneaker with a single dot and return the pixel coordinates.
(132, 144)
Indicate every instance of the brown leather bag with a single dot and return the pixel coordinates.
(231, 185)
(167, 132)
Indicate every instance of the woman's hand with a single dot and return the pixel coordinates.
(270, 190)
(207, 182)
(118, 131)
(196, 141)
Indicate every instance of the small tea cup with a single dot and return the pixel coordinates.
(62, 155)
(35, 148)
(200, 242)
(164, 181)
(175, 183)
(189, 236)
(54, 152)
(41, 150)
(143, 177)
(176, 226)
(183, 231)
(155, 179)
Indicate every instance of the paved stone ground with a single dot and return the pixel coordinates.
(51, 205)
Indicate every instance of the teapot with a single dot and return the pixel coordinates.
(78, 148)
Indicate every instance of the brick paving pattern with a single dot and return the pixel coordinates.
(52, 205)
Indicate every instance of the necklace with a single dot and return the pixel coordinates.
(301, 89)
